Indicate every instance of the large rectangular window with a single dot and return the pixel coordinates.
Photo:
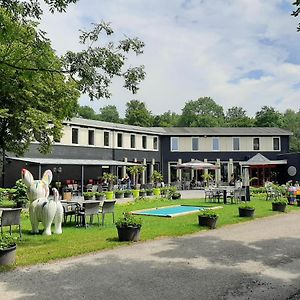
(132, 141)
(120, 140)
(255, 143)
(91, 137)
(174, 143)
(144, 142)
(276, 145)
(106, 138)
(155, 143)
(195, 143)
(215, 144)
(75, 135)
(236, 143)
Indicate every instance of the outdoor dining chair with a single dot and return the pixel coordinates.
(108, 207)
(89, 209)
(11, 217)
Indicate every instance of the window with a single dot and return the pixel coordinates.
(106, 138)
(91, 137)
(144, 142)
(276, 144)
(195, 143)
(236, 143)
(174, 143)
(155, 143)
(74, 135)
(132, 141)
(215, 144)
(255, 143)
(120, 140)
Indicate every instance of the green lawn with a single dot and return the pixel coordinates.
(35, 249)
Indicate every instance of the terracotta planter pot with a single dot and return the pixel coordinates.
(210, 222)
(129, 233)
(8, 256)
(246, 212)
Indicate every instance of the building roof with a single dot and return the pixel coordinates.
(113, 126)
(69, 161)
(225, 131)
(182, 131)
(260, 160)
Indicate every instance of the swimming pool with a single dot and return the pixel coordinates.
(171, 211)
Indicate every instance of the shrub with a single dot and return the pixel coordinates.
(7, 241)
(209, 213)
(247, 206)
(119, 192)
(19, 193)
(280, 201)
(128, 220)
(88, 194)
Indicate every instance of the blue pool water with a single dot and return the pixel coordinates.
(171, 211)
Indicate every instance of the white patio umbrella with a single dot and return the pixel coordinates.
(197, 165)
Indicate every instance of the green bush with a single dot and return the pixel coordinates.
(209, 213)
(19, 194)
(88, 194)
(7, 241)
(280, 201)
(247, 206)
(128, 220)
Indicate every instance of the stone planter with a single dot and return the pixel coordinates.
(8, 256)
(119, 195)
(207, 221)
(127, 195)
(143, 193)
(278, 207)
(149, 193)
(100, 198)
(246, 212)
(129, 233)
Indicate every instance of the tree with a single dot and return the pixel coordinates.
(203, 112)
(268, 117)
(296, 12)
(236, 117)
(87, 112)
(167, 119)
(38, 89)
(291, 121)
(109, 113)
(137, 114)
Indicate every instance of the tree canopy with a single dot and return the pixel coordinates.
(237, 117)
(109, 113)
(137, 114)
(204, 112)
(268, 117)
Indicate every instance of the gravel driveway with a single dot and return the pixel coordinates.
(253, 260)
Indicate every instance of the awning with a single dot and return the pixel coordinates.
(260, 160)
(71, 161)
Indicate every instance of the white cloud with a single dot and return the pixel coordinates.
(197, 48)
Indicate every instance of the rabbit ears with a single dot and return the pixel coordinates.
(28, 178)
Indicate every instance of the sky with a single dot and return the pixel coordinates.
(238, 52)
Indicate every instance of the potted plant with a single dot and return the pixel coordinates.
(208, 218)
(129, 227)
(88, 195)
(135, 171)
(149, 192)
(109, 178)
(143, 193)
(176, 195)
(127, 193)
(7, 249)
(19, 194)
(279, 205)
(100, 196)
(164, 191)
(156, 178)
(246, 210)
(119, 194)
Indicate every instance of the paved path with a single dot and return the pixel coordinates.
(253, 260)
